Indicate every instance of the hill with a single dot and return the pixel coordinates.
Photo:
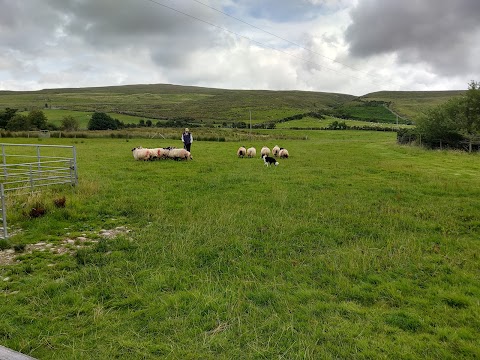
(171, 101)
(411, 104)
(219, 106)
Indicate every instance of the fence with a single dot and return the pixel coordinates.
(27, 168)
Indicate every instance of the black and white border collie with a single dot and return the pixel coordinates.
(268, 160)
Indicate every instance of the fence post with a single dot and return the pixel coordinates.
(74, 150)
(4, 162)
(38, 158)
(31, 177)
(4, 212)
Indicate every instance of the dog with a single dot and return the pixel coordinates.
(268, 160)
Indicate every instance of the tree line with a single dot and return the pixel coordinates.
(11, 120)
(454, 124)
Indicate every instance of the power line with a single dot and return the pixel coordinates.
(290, 42)
(252, 40)
(279, 37)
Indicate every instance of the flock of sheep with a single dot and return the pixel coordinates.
(145, 154)
(265, 151)
(140, 153)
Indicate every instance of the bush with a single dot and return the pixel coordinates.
(452, 123)
(18, 123)
(69, 123)
(102, 121)
(406, 136)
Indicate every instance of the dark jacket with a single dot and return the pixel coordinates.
(187, 138)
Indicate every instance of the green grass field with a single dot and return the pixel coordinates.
(353, 248)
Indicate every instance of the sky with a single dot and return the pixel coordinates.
(345, 46)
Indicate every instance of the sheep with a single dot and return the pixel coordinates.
(159, 153)
(140, 153)
(283, 153)
(179, 154)
(251, 152)
(241, 152)
(275, 150)
(265, 151)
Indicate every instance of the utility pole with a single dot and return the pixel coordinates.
(250, 123)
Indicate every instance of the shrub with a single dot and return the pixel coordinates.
(101, 121)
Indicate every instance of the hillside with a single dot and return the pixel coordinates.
(210, 105)
(411, 104)
(171, 101)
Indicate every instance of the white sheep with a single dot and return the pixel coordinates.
(241, 152)
(158, 153)
(275, 150)
(283, 153)
(251, 152)
(265, 151)
(179, 154)
(140, 153)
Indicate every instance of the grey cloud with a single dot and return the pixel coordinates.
(108, 25)
(22, 28)
(440, 33)
(117, 23)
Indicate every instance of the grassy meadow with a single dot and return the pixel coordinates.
(353, 248)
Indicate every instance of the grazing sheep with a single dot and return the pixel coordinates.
(179, 154)
(251, 152)
(159, 153)
(283, 153)
(275, 150)
(241, 152)
(265, 151)
(140, 153)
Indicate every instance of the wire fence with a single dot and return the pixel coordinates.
(27, 168)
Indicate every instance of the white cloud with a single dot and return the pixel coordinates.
(344, 46)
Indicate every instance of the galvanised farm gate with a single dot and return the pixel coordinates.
(28, 168)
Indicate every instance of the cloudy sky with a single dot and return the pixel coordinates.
(347, 46)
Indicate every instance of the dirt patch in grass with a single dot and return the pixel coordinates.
(67, 245)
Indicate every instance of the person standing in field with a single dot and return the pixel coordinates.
(187, 139)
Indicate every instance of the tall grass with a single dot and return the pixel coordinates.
(354, 247)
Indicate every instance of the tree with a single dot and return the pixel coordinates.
(18, 123)
(456, 120)
(441, 122)
(471, 109)
(37, 119)
(101, 121)
(6, 115)
(69, 123)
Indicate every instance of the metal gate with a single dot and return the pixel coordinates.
(28, 168)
